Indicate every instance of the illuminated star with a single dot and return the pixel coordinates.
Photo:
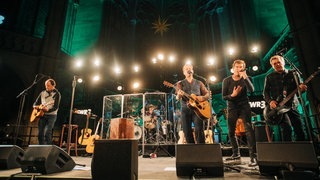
(160, 26)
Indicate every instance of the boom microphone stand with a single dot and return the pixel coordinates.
(21, 106)
(296, 75)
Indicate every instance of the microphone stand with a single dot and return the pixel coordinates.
(74, 83)
(21, 106)
(296, 75)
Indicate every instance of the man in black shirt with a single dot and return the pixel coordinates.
(234, 90)
(277, 86)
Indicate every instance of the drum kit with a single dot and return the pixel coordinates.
(156, 129)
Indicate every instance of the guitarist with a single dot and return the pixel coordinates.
(277, 86)
(235, 89)
(190, 85)
(48, 101)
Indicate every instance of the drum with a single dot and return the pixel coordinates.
(138, 121)
(137, 132)
(149, 123)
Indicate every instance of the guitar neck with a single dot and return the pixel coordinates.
(283, 102)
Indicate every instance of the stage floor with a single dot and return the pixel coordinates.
(148, 168)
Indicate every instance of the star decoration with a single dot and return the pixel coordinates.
(160, 26)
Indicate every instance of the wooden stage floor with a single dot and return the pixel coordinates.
(148, 168)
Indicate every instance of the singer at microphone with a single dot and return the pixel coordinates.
(190, 72)
(242, 70)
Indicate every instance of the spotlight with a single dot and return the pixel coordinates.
(255, 68)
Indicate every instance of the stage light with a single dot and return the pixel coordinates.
(172, 58)
(188, 61)
(231, 51)
(255, 68)
(254, 49)
(97, 62)
(117, 69)
(154, 60)
(79, 63)
(96, 78)
(213, 78)
(136, 85)
(211, 61)
(136, 68)
(79, 80)
(1, 19)
(160, 57)
(119, 88)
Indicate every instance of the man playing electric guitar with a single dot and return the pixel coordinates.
(188, 116)
(277, 86)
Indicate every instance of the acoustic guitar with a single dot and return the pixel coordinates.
(85, 133)
(91, 139)
(202, 109)
(38, 112)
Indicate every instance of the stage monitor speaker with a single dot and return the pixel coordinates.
(10, 156)
(115, 159)
(46, 159)
(203, 160)
(286, 156)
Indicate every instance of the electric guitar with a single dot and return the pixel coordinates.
(91, 140)
(38, 112)
(272, 116)
(85, 133)
(202, 109)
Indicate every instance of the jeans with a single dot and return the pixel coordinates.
(45, 127)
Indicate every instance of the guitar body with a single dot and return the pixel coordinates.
(36, 114)
(91, 139)
(273, 116)
(208, 136)
(182, 139)
(84, 137)
(90, 145)
(202, 109)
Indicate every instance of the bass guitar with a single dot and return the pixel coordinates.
(85, 133)
(91, 140)
(38, 112)
(272, 116)
(202, 109)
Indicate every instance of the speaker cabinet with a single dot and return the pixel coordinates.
(199, 160)
(286, 156)
(115, 159)
(10, 156)
(46, 159)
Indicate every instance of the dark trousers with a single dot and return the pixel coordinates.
(188, 116)
(243, 112)
(45, 127)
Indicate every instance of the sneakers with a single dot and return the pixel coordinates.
(253, 162)
(233, 157)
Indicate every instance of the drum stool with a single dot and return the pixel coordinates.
(74, 127)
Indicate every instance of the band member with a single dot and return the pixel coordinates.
(277, 86)
(234, 90)
(190, 85)
(48, 101)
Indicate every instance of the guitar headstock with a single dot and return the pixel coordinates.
(166, 83)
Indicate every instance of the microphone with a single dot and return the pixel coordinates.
(190, 72)
(242, 70)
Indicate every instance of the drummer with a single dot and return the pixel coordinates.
(151, 117)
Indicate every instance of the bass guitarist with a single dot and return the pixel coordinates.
(48, 101)
(277, 86)
(189, 85)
